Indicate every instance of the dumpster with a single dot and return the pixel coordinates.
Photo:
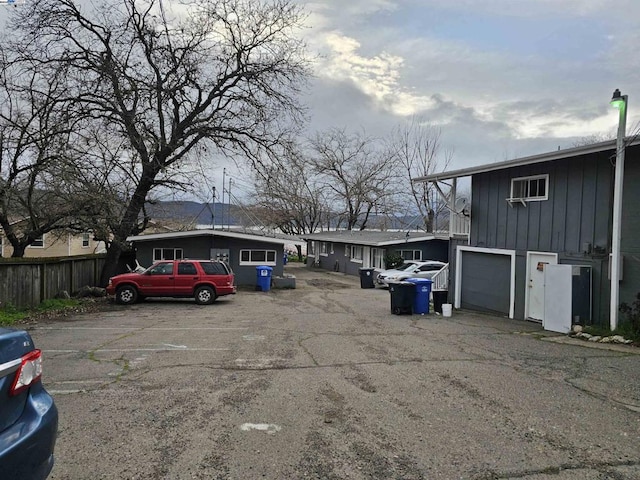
(439, 297)
(263, 278)
(366, 277)
(422, 294)
(402, 294)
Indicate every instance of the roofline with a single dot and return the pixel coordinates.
(381, 243)
(213, 233)
(517, 162)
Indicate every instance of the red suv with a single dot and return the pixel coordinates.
(205, 280)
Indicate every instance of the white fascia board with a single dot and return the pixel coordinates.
(212, 233)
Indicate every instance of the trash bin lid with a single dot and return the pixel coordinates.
(264, 267)
(419, 281)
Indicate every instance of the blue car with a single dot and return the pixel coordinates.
(28, 416)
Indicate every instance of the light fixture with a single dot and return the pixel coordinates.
(617, 100)
(620, 102)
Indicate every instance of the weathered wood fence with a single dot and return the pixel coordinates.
(27, 282)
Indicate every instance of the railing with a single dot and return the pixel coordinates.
(459, 224)
(440, 281)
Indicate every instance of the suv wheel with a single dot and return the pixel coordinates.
(205, 295)
(126, 295)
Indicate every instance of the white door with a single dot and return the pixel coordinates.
(534, 296)
(558, 285)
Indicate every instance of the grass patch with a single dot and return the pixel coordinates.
(9, 314)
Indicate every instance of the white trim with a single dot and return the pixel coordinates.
(493, 251)
(529, 178)
(254, 263)
(352, 257)
(518, 162)
(44, 239)
(215, 233)
(528, 273)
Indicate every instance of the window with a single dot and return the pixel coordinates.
(85, 240)
(257, 257)
(377, 258)
(356, 253)
(311, 249)
(167, 254)
(411, 254)
(38, 242)
(161, 269)
(187, 269)
(326, 248)
(527, 189)
(214, 268)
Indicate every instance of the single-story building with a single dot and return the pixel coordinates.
(347, 251)
(243, 252)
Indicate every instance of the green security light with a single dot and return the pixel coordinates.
(618, 100)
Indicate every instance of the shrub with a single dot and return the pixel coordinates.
(631, 315)
(393, 260)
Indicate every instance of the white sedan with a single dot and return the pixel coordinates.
(410, 269)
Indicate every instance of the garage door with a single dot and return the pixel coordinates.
(485, 282)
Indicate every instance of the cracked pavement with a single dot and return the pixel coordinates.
(323, 382)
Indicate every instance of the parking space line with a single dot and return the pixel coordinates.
(140, 350)
(143, 328)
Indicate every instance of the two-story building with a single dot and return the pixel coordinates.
(531, 213)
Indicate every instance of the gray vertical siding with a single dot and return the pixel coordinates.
(577, 213)
(200, 248)
(436, 249)
(630, 239)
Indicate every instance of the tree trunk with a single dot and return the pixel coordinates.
(110, 267)
(18, 251)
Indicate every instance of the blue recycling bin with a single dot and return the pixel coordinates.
(263, 278)
(422, 294)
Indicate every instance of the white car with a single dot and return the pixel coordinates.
(409, 269)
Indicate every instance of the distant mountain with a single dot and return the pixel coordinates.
(194, 213)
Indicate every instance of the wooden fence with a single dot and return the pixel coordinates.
(27, 282)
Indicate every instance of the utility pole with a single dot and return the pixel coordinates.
(213, 209)
(229, 216)
(224, 174)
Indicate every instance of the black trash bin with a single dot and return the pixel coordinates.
(402, 296)
(366, 278)
(439, 297)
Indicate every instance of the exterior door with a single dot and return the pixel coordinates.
(158, 280)
(536, 263)
(185, 279)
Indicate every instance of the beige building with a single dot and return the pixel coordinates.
(56, 244)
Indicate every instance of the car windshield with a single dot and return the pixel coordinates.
(405, 266)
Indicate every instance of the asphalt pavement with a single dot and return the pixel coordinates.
(323, 382)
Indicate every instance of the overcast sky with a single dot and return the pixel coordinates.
(501, 78)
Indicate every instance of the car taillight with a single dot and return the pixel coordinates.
(29, 372)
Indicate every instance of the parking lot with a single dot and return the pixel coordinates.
(323, 382)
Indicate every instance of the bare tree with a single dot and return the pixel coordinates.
(220, 73)
(38, 143)
(288, 194)
(355, 174)
(594, 138)
(416, 146)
